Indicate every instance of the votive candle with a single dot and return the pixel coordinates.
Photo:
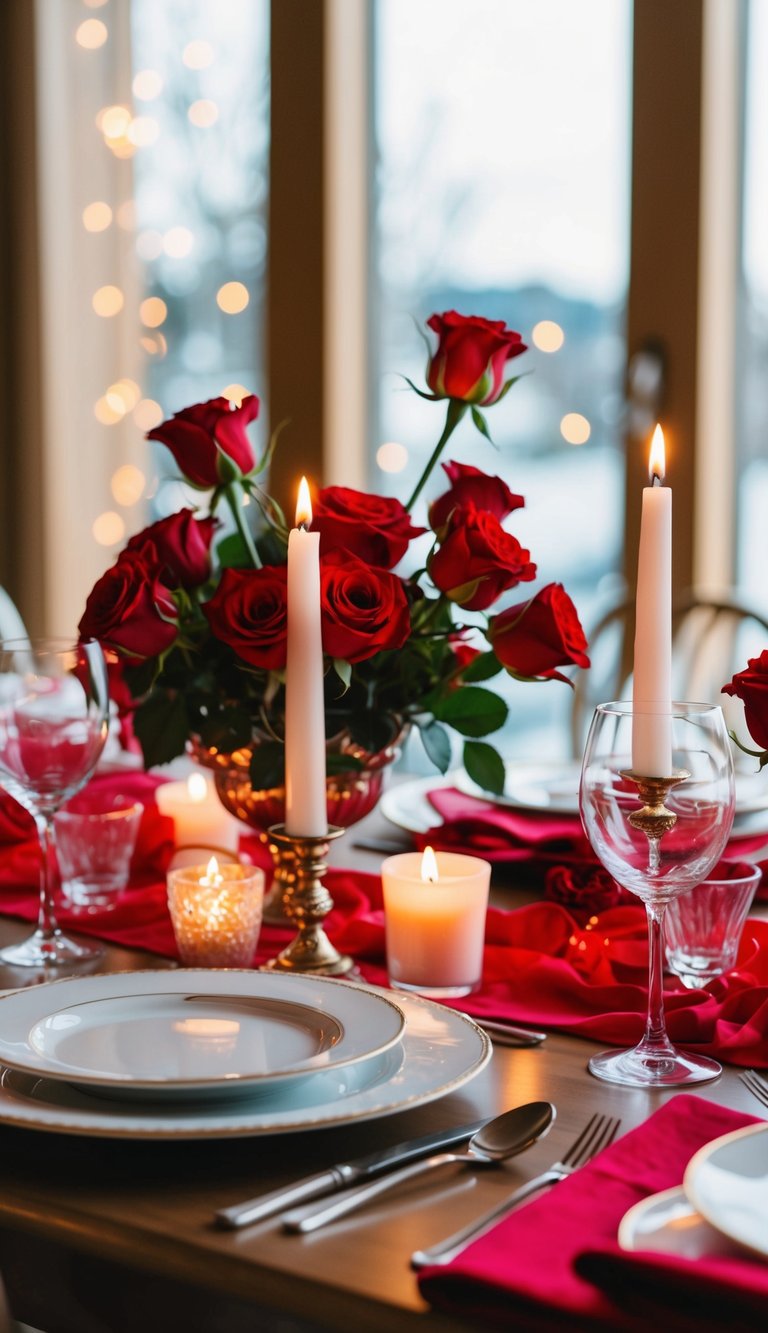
(199, 818)
(216, 913)
(434, 911)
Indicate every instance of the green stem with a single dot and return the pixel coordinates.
(456, 410)
(233, 499)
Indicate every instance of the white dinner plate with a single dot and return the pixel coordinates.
(406, 804)
(192, 1031)
(669, 1224)
(441, 1050)
(727, 1182)
(552, 787)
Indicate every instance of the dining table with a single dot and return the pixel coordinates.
(104, 1235)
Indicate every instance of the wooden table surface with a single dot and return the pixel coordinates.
(112, 1236)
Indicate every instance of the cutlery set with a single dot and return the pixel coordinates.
(490, 1143)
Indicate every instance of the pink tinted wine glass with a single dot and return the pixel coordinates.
(54, 710)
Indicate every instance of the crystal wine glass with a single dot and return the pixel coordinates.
(658, 835)
(54, 707)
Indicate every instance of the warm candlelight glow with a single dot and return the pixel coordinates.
(198, 790)
(657, 459)
(303, 506)
(211, 878)
(429, 871)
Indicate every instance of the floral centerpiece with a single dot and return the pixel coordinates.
(194, 618)
(751, 687)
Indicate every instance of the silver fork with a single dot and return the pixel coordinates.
(757, 1085)
(597, 1134)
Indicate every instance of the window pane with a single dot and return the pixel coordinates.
(503, 139)
(201, 88)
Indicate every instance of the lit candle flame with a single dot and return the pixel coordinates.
(303, 506)
(657, 459)
(212, 878)
(197, 787)
(429, 871)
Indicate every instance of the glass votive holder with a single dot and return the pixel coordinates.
(703, 927)
(434, 913)
(95, 841)
(216, 913)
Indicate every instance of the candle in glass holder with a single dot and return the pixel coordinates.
(199, 818)
(434, 912)
(216, 913)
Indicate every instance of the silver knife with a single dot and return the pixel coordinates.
(339, 1176)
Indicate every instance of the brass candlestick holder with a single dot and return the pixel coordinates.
(654, 819)
(307, 902)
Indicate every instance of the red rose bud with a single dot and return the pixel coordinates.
(751, 686)
(249, 612)
(478, 560)
(471, 486)
(130, 608)
(535, 637)
(471, 357)
(209, 440)
(183, 545)
(463, 652)
(376, 528)
(364, 609)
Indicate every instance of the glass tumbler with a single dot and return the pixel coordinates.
(94, 848)
(704, 926)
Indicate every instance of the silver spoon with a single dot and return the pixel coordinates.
(504, 1137)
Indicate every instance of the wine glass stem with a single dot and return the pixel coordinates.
(46, 918)
(655, 1027)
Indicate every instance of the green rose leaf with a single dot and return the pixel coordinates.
(472, 711)
(485, 766)
(482, 668)
(343, 763)
(227, 730)
(437, 744)
(162, 726)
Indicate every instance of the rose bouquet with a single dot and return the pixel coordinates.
(193, 618)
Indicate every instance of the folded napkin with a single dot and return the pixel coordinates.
(554, 1262)
(540, 840)
(500, 833)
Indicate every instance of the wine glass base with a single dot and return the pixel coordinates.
(49, 951)
(640, 1068)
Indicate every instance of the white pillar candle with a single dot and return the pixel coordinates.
(199, 818)
(435, 921)
(652, 681)
(305, 798)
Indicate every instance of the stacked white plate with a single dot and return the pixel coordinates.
(721, 1207)
(200, 1053)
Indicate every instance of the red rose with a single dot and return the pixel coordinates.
(533, 638)
(374, 527)
(751, 686)
(471, 356)
(584, 889)
(208, 440)
(364, 609)
(463, 652)
(183, 545)
(249, 612)
(130, 608)
(478, 560)
(470, 485)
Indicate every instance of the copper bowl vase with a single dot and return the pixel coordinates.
(350, 796)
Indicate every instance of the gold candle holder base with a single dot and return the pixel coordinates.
(307, 902)
(654, 819)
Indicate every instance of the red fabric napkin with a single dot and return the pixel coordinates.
(540, 1264)
(543, 964)
(504, 835)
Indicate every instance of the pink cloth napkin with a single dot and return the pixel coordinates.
(554, 1263)
(504, 835)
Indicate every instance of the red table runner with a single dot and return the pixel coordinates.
(582, 972)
